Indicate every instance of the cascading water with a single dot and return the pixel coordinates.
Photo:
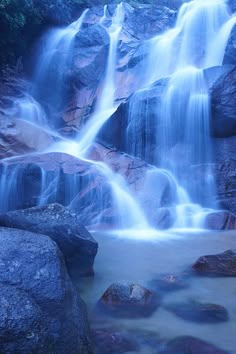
(180, 120)
(55, 55)
(128, 212)
(105, 107)
(182, 125)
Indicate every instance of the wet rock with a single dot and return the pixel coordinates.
(85, 75)
(76, 244)
(222, 264)
(124, 299)
(143, 123)
(199, 312)
(169, 282)
(232, 5)
(77, 183)
(40, 310)
(19, 137)
(223, 103)
(112, 341)
(224, 171)
(221, 220)
(230, 51)
(190, 345)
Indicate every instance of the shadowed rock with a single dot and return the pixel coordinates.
(169, 282)
(199, 312)
(190, 345)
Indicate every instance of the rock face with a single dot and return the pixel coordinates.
(84, 80)
(142, 123)
(88, 67)
(223, 103)
(199, 312)
(76, 244)
(190, 345)
(224, 170)
(223, 264)
(128, 300)
(40, 311)
(230, 50)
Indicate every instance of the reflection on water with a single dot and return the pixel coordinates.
(140, 261)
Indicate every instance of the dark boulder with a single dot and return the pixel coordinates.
(40, 310)
(76, 244)
(190, 345)
(199, 312)
(222, 264)
(124, 299)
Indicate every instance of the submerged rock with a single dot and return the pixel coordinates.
(190, 345)
(168, 282)
(199, 312)
(109, 340)
(76, 244)
(221, 220)
(40, 310)
(124, 299)
(222, 264)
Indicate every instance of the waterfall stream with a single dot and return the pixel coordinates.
(176, 60)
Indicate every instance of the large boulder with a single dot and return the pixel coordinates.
(222, 264)
(40, 310)
(124, 299)
(76, 244)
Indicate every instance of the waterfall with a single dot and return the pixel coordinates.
(54, 57)
(173, 126)
(105, 107)
(182, 118)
